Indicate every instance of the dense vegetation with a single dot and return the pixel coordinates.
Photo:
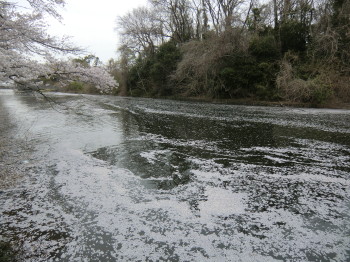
(293, 50)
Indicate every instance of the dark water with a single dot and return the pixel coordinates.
(120, 179)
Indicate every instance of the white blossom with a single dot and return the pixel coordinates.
(27, 50)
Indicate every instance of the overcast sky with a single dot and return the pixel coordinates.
(91, 24)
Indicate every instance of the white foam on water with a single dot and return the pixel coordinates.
(152, 156)
(108, 214)
(222, 202)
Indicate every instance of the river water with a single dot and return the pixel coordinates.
(123, 179)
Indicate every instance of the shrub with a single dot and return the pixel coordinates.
(240, 75)
(321, 90)
(293, 36)
(150, 76)
(164, 65)
(75, 86)
(264, 48)
(315, 90)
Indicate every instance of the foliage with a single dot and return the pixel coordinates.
(88, 61)
(264, 48)
(150, 76)
(293, 36)
(244, 76)
(23, 36)
(239, 48)
(198, 72)
(240, 75)
(75, 86)
(65, 74)
(316, 89)
(80, 87)
(164, 65)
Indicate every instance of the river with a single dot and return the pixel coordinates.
(102, 178)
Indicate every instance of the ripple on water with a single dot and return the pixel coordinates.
(135, 179)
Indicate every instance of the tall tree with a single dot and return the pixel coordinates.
(177, 17)
(223, 13)
(142, 30)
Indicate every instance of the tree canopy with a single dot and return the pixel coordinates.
(297, 50)
(28, 52)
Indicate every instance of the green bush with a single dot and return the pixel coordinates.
(244, 76)
(315, 90)
(293, 36)
(150, 76)
(264, 48)
(75, 86)
(240, 79)
(321, 90)
(138, 83)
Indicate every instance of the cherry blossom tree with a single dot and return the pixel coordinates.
(27, 51)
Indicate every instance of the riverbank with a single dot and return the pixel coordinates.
(333, 104)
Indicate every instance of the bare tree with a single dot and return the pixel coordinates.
(177, 18)
(141, 29)
(223, 13)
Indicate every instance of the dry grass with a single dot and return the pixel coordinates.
(319, 88)
(197, 70)
(341, 87)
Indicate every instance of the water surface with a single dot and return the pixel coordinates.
(121, 179)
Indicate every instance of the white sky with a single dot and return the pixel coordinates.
(91, 24)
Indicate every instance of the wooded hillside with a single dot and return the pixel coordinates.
(294, 50)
